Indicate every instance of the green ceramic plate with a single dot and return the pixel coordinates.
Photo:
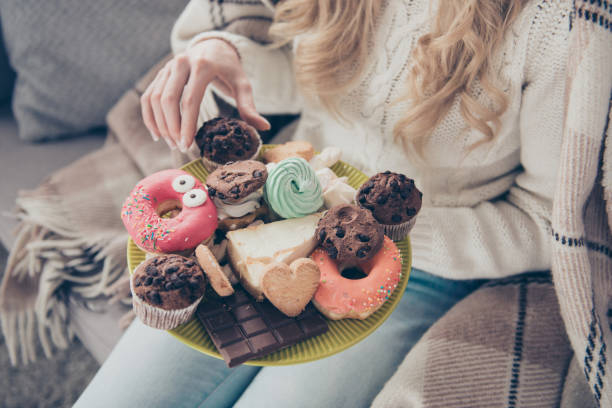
(341, 335)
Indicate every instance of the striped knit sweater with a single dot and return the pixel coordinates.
(540, 207)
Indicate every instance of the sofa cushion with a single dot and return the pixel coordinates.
(74, 58)
(24, 165)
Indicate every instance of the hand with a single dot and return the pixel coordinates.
(171, 103)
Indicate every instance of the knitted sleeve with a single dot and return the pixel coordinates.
(511, 234)
(244, 24)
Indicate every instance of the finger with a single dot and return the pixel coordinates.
(246, 106)
(171, 95)
(147, 112)
(190, 104)
(156, 105)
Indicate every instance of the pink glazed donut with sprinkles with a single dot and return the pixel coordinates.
(174, 192)
(339, 298)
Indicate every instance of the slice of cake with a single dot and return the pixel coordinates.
(251, 249)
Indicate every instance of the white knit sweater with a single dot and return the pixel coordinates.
(486, 212)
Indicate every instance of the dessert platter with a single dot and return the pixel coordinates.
(268, 255)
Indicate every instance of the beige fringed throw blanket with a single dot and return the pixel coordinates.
(71, 237)
(508, 344)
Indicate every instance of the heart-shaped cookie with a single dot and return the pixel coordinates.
(290, 288)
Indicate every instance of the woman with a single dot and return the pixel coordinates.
(467, 98)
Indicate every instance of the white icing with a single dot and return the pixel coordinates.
(194, 198)
(183, 183)
(327, 158)
(339, 192)
(234, 210)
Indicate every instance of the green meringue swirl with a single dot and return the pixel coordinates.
(293, 189)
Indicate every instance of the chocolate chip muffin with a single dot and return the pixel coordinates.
(394, 201)
(166, 290)
(349, 234)
(223, 140)
(235, 181)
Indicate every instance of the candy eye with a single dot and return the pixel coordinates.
(194, 198)
(183, 184)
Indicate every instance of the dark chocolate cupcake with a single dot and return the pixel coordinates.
(394, 201)
(349, 234)
(166, 290)
(223, 140)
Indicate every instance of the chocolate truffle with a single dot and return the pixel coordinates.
(235, 181)
(223, 140)
(349, 234)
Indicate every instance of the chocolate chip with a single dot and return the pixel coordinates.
(183, 275)
(340, 232)
(172, 269)
(396, 218)
(395, 186)
(179, 284)
(332, 252)
(158, 281)
(382, 199)
(362, 199)
(411, 212)
(235, 190)
(405, 193)
(211, 191)
(420, 194)
(237, 131)
(366, 190)
(257, 173)
(137, 282)
(363, 238)
(247, 146)
(194, 285)
(169, 286)
(189, 264)
(154, 297)
(402, 177)
(152, 270)
(148, 280)
(322, 235)
(387, 172)
(363, 251)
(221, 196)
(239, 152)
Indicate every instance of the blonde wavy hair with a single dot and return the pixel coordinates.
(447, 61)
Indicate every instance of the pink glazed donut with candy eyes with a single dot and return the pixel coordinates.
(169, 192)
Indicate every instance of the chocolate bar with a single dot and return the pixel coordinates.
(243, 329)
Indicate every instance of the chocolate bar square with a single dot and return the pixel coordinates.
(243, 329)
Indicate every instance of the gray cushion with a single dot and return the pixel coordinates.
(74, 58)
(24, 165)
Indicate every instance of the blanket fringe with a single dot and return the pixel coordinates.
(58, 262)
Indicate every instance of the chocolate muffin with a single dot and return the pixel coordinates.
(349, 234)
(235, 181)
(394, 201)
(223, 140)
(166, 290)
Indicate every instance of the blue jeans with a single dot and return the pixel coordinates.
(149, 368)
